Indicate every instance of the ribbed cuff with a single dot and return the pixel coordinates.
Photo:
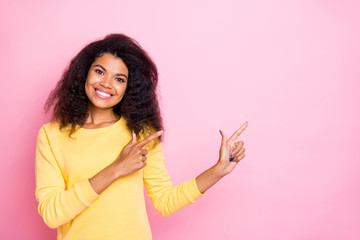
(85, 192)
(193, 190)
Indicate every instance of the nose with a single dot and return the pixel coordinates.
(106, 82)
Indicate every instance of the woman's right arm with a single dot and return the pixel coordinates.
(57, 206)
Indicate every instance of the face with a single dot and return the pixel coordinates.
(106, 81)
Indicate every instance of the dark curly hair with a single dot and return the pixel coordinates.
(139, 106)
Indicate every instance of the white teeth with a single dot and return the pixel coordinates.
(103, 94)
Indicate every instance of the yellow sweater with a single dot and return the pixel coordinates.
(67, 201)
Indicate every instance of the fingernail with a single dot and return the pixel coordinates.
(220, 132)
(232, 158)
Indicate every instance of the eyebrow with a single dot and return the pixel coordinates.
(118, 74)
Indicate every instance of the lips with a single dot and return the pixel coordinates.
(102, 93)
(102, 90)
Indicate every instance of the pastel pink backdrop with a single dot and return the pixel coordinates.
(290, 68)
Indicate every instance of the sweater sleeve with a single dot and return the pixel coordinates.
(166, 198)
(57, 205)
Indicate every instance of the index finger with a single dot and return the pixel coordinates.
(145, 141)
(238, 132)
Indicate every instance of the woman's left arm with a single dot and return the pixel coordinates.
(231, 152)
(168, 199)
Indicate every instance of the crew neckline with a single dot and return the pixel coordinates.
(102, 129)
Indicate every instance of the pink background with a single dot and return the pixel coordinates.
(290, 68)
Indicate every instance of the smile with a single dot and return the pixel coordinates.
(102, 94)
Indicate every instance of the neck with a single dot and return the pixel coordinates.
(98, 115)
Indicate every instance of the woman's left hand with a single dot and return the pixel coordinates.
(231, 150)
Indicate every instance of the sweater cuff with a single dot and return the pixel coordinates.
(85, 192)
(193, 189)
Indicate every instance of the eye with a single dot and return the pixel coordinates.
(99, 71)
(120, 79)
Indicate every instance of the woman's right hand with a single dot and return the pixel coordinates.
(132, 158)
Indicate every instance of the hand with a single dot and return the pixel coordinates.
(229, 148)
(132, 158)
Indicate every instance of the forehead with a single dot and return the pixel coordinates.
(111, 62)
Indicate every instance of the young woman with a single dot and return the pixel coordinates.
(103, 144)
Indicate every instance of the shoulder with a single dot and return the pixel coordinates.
(154, 148)
(51, 130)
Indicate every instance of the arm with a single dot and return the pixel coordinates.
(166, 198)
(208, 178)
(57, 206)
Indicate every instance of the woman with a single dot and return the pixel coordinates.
(103, 144)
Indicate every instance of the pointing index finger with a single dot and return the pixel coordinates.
(147, 140)
(238, 132)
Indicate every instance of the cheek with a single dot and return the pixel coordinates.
(87, 85)
(121, 89)
(90, 79)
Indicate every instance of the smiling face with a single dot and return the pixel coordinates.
(106, 81)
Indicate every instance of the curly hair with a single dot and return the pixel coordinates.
(139, 106)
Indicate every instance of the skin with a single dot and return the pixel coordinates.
(133, 156)
(107, 73)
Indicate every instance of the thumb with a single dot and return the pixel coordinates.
(223, 139)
